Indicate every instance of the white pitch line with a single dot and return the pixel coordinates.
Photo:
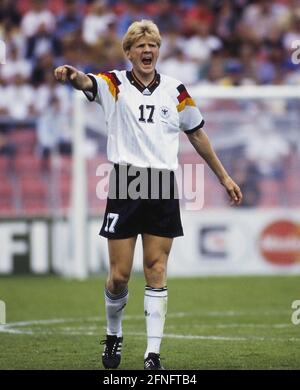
(217, 338)
(92, 330)
(12, 328)
(167, 335)
(227, 313)
(224, 338)
(81, 319)
(229, 326)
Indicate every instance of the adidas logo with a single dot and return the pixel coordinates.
(121, 308)
(149, 363)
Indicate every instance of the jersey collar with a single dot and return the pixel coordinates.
(144, 89)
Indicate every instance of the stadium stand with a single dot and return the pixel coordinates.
(217, 42)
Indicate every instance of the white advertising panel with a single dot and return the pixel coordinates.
(215, 242)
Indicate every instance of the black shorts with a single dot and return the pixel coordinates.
(152, 208)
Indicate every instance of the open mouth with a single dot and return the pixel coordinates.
(147, 60)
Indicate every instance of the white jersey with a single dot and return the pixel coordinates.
(144, 123)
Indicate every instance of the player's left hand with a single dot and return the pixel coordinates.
(233, 190)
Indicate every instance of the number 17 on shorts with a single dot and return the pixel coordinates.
(111, 221)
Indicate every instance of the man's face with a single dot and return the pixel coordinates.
(143, 55)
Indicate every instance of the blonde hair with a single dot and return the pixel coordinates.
(138, 30)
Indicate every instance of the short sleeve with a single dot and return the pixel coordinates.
(190, 117)
(105, 90)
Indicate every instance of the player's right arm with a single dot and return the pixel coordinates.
(78, 79)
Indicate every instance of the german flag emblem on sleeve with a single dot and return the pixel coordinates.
(184, 98)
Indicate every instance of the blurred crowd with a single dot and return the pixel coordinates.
(228, 42)
(224, 42)
(204, 42)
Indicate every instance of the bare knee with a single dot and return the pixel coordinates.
(117, 281)
(155, 272)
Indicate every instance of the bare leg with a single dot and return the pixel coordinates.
(156, 253)
(120, 259)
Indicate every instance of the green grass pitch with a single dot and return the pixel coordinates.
(212, 323)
